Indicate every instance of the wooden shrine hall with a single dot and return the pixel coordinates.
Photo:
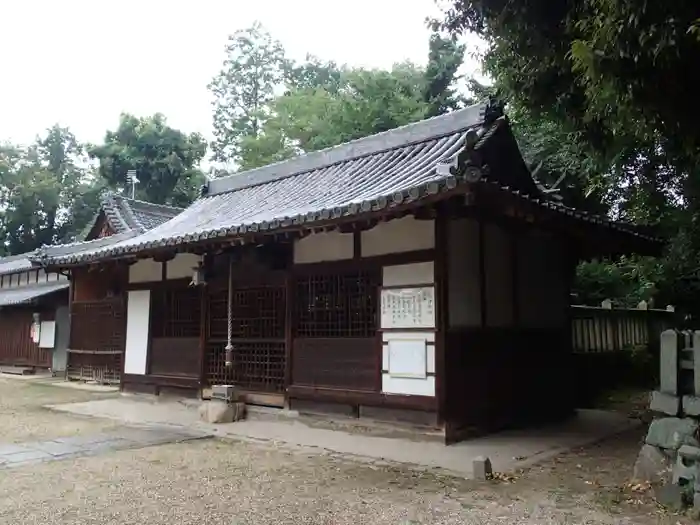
(420, 274)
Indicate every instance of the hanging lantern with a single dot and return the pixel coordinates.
(229, 355)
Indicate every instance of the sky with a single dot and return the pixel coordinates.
(81, 63)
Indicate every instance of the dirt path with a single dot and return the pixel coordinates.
(228, 482)
(23, 418)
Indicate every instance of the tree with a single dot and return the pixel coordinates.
(609, 66)
(42, 189)
(253, 70)
(325, 104)
(445, 57)
(166, 160)
(268, 108)
(613, 75)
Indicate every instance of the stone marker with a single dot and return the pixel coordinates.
(653, 466)
(668, 363)
(216, 411)
(481, 467)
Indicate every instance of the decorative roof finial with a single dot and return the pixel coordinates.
(494, 109)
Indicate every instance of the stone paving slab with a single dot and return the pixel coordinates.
(127, 437)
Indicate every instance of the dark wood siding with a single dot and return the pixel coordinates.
(334, 362)
(334, 329)
(175, 330)
(16, 345)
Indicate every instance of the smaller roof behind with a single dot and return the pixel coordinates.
(124, 214)
(126, 217)
(27, 294)
(16, 263)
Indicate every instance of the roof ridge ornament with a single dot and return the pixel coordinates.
(493, 110)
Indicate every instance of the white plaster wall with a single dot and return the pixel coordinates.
(542, 294)
(417, 386)
(182, 266)
(464, 290)
(137, 322)
(146, 270)
(498, 264)
(409, 274)
(400, 235)
(324, 246)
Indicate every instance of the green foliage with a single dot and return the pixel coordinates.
(166, 160)
(44, 190)
(268, 108)
(608, 81)
(626, 281)
(366, 102)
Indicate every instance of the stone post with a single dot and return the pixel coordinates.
(668, 358)
(667, 399)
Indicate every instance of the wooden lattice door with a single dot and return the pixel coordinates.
(258, 336)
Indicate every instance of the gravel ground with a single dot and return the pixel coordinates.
(226, 482)
(22, 417)
(216, 482)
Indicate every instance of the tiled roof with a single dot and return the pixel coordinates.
(386, 170)
(16, 263)
(124, 214)
(77, 249)
(27, 294)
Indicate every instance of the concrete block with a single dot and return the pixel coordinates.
(691, 406)
(223, 392)
(481, 467)
(665, 403)
(652, 465)
(672, 432)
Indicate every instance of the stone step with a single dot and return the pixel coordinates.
(17, 370)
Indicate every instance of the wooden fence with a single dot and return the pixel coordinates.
(605, 329)
(615, 346)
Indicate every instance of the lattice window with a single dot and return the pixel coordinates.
(337, 305)
(257, 313)
(258, 366)
(176, 312)
(98, 325)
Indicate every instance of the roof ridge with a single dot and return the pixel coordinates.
(414, 133)
(155, 205)
(17, 256)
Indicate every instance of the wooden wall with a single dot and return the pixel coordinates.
(16, 345)
(507, 343)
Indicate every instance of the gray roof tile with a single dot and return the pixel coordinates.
(27, 294)
(384, 170)
(15, 263)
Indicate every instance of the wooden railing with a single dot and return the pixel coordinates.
(605, 329)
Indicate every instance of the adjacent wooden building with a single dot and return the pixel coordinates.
(35, 310)
(33, 316)
(419, 274)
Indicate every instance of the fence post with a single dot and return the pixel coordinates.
(668, 357)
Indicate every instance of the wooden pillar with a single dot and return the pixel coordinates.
(288, 331)
(442, 318)
(203, 319)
